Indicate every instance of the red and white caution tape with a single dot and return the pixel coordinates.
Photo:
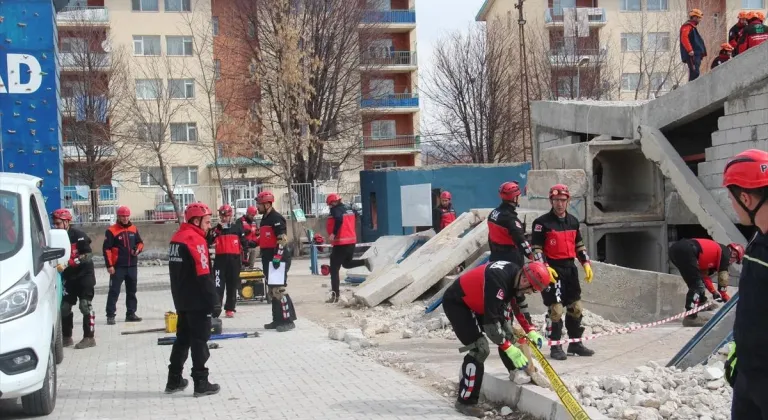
(631, 329)
(331, 246)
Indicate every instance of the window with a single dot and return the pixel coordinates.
(380, 48)
(148, 88)
(217, 69)
(73, 45)
(181, 88)
(659, 82)
(178, 5)
(631, 42)
(145, 5)
(67, 88)
(179, 45)
(184, 132)
(629, 5)
(146, 45)
(751, 4)
(215, 25)
(567, 87)
(658, 41)
(630, 82)
(381, 88)
(383, 129)
(150, 176)
(382, 5)
(251, 30)
(152, 132)
(11, 238)
(184, 175)
(657, 5)
(37, 235)
(380, 164)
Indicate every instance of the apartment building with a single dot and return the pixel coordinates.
(389, 102)
(617, 49)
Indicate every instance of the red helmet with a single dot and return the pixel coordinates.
(743, 14)
(537, 275)
(318, 239)
(559, 189)
(748, 170)
(325, 269)
(252, 211)
(265, 197)
(445, 195)
(123, 211)
(509, 191)
(331, 198)
(62, 214)
(738, 249)
(196, 210)
(225, 210)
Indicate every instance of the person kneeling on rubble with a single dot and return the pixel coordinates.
(475, 303)
(697, 259)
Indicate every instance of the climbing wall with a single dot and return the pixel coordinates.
(30, 135)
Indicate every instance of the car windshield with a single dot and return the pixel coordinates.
(165, 207)
(10, 224)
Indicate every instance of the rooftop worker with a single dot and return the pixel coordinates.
(754, 34)
(122, 246)
(557, 241)
(475, 304)
(746, 177)
(228, 240)
(725, 54)
(735, 32)
(444, 214)
(697, 259)
(341, 234)
(692, 48)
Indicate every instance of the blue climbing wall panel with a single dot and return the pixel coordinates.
(29, 112)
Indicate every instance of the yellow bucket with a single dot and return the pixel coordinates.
(170, 321)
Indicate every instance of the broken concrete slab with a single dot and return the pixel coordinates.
(576, 207)
(540, 181)
(709, 213)
(677, 212)
(437, 262)
(527, 216)
(448, 280)
(388, 250)
(632, 244)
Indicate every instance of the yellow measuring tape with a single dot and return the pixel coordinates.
(571, 404)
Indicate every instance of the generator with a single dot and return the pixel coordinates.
(253, 286)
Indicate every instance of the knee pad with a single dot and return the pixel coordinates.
(556, 312)
(86, 308)
(481, 350)
(66, 309)
(278, 292)
(575, 309)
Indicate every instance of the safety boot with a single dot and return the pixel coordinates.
(203, 388)
(271, 326)
(575, 330)
(111, 320)
(332, 298)
(286, 327)
(471, 410)
(68, 341)
(557, 353)
(693, 321)
(132, 318)
(85, 343)
(579, 349)
(175, 384)
(229, 314)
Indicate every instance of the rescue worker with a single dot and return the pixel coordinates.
(475, 304)
(725, 54)
(340, 227)
(122, 246)
(754, 34)
(79, 280)
(557, 241)
(734, 34)
(273, 242)
(228, 240)
(248, 226)
(746, 178)
(444, 214)
(506, 234)
(195, 298)
(697, 259)
(692, 48)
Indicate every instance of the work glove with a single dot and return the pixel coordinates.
(588, 274)
(552, 274)
(276, 263)
(60, 268)
(535, 338)
(724, 295)
(517, 357)
(730, 365)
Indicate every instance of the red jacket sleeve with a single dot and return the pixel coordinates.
(685, 31)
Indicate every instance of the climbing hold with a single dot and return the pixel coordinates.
(11, 131)
(10, 165)
(31, 120)
(16, 115)
(42, 73)
(20, 150)
(44, 56)
(32, 106)
(22, 25)
(32, 132)
(18, 102)
(37, 152)
(7, 40)
(49, 171)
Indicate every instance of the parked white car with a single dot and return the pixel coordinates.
(30, 295)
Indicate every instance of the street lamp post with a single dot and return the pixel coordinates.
(583, 61)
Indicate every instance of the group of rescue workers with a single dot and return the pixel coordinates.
(747, 33)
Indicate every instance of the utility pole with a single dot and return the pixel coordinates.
(525, 100)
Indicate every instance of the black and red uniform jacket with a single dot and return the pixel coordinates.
(122, 245)
(733, 37)
(189, 264)
(751, 36)
(488, 290)
(341, 224)
(272, 225)
(752, 313)
(250, 230)
(712, 256)
(720, 59)
(80, 271)
(227, 241)
(559, 240)
(506, 236)
(442, 217)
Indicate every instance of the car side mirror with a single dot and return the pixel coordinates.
(60, 239)
(50, 254)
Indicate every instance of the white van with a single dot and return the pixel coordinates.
(30, 295)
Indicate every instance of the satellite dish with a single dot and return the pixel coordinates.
(106, 46)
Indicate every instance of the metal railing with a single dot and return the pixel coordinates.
(390, 16)
(391, 100)
(574, 57)
(595, 15)
(391, 58)
(402, 142)
(85, 60)
(71, 151)
(83, 14)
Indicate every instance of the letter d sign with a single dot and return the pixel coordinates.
(19, 64)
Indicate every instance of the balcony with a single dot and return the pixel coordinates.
(392, 103)
(576, 57)
(390, 20)
(392, 61)
(596, 16)
(75, 153)
(389, 145)
(79, 16)
(81, 193)
(84, 61)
